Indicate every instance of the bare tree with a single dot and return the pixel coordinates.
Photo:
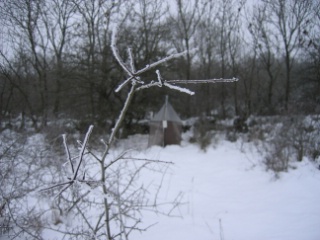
(218, 37)
(288, 19)
(308, 86)
(149, 30)
(25, 24)
(229, 45)
(21, 173)
(92, 26)
(184, 28)
(15, 92)
(234, 45)
(207, 34)
(183, 23)
(57, 19)
(266, 44)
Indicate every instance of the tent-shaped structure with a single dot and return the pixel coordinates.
(165, 127)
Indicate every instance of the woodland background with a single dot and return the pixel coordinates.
(56, 60)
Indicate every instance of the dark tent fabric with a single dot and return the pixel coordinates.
(165, 127)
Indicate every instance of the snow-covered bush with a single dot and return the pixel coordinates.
(21, 172)
(286, 139)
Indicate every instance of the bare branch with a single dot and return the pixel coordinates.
(180, 89)
(56, 185)
(214, 80)
(125, 82)
(151, 84)
(133, 68)
(67, 151)
(115, 51)
(121, 156)
(166, 59)
(122, 114)
(85, 142)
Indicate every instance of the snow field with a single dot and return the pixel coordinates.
(230, 196)
(226, 193)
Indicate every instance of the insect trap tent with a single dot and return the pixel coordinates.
(165, 127)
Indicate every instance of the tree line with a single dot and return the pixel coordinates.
(56, 60)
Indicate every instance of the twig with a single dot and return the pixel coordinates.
(67, 151)
(85, 142)
(166, 59)
(213, 80)
(131, 59)
(115, 51)
(121, 116)
(56, 185)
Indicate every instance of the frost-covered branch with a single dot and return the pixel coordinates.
(133, 68)
(213, 80)
(166, 59)
(115, 51)
(122, 114)
(67, 151)
(180, 89)
(74, 171)
(133, 74)
(168, 84)
(118, 89)
(162, 82)
(159, 77)
(85, 142)
(149, 85)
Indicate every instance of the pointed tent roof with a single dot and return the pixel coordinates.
(167, 113)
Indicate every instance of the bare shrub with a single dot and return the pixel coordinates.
(288, 139)
(302, 134)
(19, 177)
(278, 158)
(202, 132)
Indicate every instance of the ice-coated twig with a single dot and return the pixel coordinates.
(121, 156)
(159, 78)
(153, 65)
(122, 114)
(146, 160)
(180, 89)
(133, 74)
(167, 83)
(161, 83)
(133, 68)
(67, 151)
(115, 51)
(151, 84)
(75, 172)
(124, 83)
(213, 80)
(83, 147)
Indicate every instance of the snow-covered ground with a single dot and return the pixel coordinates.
(229, 195)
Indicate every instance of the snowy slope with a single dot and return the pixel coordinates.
(230, 196)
